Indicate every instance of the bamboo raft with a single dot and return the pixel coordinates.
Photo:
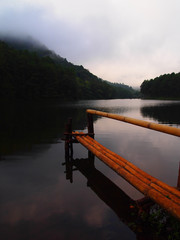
(166, 196)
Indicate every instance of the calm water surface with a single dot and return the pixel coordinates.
(38, 202)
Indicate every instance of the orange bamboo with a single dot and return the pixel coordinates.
(146, 178)
(151, 187)
(154, 126)
(139, 171)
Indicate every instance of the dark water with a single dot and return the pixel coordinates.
(36, 200)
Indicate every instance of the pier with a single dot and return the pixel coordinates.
(166, 196)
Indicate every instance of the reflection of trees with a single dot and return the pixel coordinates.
(25, 124)
(22, 125)
(164, 114)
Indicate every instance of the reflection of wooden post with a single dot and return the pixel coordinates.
(91, 158)
(91, 134)
(178, 182)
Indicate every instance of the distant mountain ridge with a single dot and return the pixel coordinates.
(30, 44)
(33, 71)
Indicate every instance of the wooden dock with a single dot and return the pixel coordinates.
(166, 196)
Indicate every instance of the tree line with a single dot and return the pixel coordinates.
(27, 75)
(165, 86)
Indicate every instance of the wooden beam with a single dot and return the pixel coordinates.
(154, 126)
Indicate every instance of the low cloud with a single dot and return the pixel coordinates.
(118, 41)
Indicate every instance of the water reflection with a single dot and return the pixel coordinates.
(38, 203)
(24, 125)
(167, 113)
(128, 210)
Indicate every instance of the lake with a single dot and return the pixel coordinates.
(38, 200)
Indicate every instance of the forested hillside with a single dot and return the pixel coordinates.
(43, 74)
(165, 86)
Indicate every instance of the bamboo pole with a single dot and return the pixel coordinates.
(145, 177)
(154, 126)
(125, 163)
(157, 192)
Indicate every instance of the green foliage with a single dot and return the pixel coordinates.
(165, 86)
(36, 75)
(162, 223)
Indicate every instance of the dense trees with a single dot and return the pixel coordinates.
(29, 75)
(164, 86)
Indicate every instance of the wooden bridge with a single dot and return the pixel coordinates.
(166, 196)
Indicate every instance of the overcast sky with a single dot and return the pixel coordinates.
(124, 41)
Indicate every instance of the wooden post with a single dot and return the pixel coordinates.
(178, 182)
(90, 125)
(68, 140)
(91, 134)
(68, 149)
